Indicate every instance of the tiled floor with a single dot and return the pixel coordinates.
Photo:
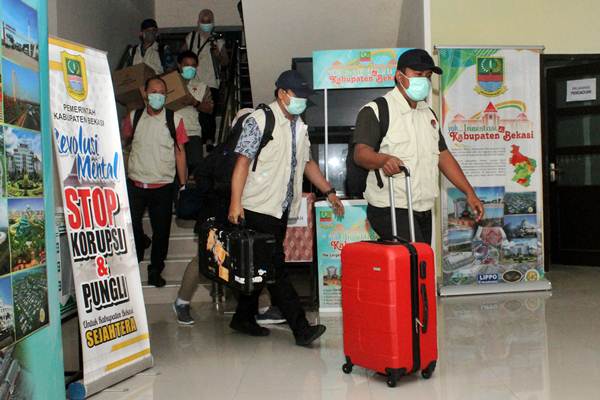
(520, 346)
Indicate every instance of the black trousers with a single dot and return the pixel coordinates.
(160, 207)
(283, 293)
(380, 220)
(208, 121)
(193, 153)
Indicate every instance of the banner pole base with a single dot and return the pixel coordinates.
(481, 289)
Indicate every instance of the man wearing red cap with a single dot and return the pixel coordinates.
(413, 139)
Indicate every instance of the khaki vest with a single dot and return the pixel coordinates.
(266, 188)
(151, 57)
(413, 138)
(152, 156)
(189, 114)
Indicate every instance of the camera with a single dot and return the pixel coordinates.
(214, 36)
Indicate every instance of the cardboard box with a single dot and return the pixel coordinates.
(127, 83)
(178, 95)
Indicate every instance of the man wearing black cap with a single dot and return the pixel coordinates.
(150, 52)
(413, 139)
(266, 197)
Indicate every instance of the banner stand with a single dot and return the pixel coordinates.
(113, 326)
(476, 289)
(491, 121)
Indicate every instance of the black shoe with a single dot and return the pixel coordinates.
(249, 328)
(310, 334)
(156, 280)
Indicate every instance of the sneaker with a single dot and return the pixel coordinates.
(270, 316)
(310, 334)
(249, 328)
(183, 314)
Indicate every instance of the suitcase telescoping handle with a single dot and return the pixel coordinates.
(411, 222)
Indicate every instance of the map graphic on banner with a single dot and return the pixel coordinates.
(333, 233)
(112, 315)
(491, 123)
(356, 68)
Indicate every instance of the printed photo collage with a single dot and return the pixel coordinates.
(505, 240)
(23, 277)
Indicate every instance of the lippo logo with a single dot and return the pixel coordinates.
(487, 278)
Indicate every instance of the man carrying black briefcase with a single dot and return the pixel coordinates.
(264, 194)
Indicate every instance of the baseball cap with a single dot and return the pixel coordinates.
(148, 23)
(291, 79)
(419, 60)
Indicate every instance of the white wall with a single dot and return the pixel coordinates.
(411, 25)
(278, 30)
(107, 25)
(178, 13)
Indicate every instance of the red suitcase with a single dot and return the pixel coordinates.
(389, 304)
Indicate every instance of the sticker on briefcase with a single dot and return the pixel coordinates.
(223, 273)
(219, 254)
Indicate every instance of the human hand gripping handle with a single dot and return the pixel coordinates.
(392, 166)
(236, 213)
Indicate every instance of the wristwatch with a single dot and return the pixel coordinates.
(330, 191)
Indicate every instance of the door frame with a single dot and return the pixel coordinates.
(548, 62)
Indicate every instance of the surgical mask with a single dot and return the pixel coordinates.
(207, 28)
(296, 106)
(156, 100)
(188, 72)
(419, 88)
(150, 36)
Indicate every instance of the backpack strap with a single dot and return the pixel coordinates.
(170, 116)
(134, 49)
(267, 133)
(136, 118)
(384, 124)
(192, 39)
(161, 55)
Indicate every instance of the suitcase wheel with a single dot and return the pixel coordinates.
(427, 372)
(393, 375)
(391, 381)
(347, 367)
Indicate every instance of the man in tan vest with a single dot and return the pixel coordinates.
(413, 139)
(266, 197)
(157, 138)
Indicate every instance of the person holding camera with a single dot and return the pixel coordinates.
(209, 46)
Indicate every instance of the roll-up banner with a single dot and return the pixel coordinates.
(85, 129)
(491, 122)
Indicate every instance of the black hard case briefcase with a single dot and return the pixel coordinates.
(235, 256)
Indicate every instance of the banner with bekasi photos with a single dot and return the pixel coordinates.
(491, 123)
(112, 316)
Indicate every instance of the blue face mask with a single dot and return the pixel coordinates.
(188, 72)
(156, 100)
(296, 106)
(419, 88)
(207, 28)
